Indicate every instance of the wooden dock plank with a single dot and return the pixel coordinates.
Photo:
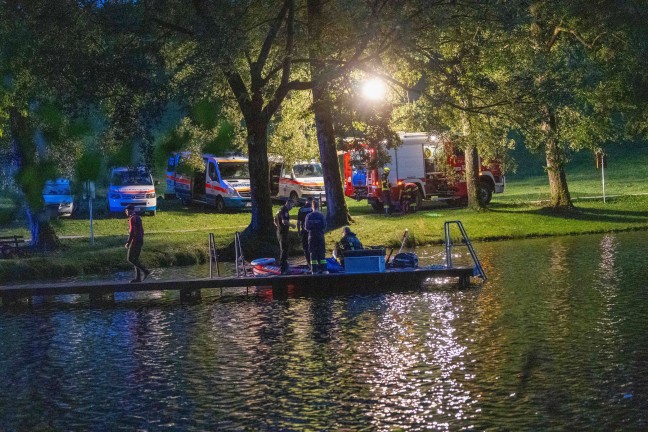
(333, 281)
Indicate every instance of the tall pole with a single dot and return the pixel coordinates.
(603, 174)
(90, 191)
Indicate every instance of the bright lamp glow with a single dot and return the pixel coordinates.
(374, 89)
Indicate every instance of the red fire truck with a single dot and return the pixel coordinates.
(425, 160)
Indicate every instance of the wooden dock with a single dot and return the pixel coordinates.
(321, 284)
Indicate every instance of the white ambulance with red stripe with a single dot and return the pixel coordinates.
(297, 181)
(222, 182)
(132, 186)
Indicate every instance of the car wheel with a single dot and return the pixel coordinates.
(484, 193)
(294, 197)
(219, 204)
(378, 207)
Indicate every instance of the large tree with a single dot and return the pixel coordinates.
(450, 69)
(569, 57)
(59, 62)
(262, 51)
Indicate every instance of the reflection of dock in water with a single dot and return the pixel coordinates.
(306, 284)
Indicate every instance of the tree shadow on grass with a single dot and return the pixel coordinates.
(579, 213)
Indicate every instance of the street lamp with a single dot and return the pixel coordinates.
(374, 89)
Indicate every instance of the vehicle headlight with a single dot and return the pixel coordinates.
(114, 196)
(231, 190)
(150, 195)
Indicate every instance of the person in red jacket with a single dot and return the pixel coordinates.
(135, 243)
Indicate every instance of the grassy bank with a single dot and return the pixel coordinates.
(178, 235)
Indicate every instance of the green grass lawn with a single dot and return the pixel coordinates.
(626, 173)
(178, 235)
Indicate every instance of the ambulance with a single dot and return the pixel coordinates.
(297, 181)
(222, 182)
(132, 186)
(58, 197)
(172, 164)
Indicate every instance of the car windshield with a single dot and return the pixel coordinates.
(308, 170)
(52, 188)
(234, 170)
(131, 178)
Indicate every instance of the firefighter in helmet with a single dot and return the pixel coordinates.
(408, 196)
(386, 191)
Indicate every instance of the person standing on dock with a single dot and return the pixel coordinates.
(301, 228)
(316, 225)
(135, 243)
(282, 222)
(385, 186)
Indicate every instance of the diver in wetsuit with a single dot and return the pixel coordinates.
(301, 228)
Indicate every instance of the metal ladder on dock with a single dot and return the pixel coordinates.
(241, 265)
(449, 245)
(213, 256)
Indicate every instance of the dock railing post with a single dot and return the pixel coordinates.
(448, 244)
(210, 255)
(466, 240)
(216, 258)
(213, 256)
(236, 255)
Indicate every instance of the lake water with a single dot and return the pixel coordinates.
(556, 339)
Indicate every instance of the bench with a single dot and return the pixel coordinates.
(10, 246)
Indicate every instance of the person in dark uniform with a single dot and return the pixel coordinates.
(282, 223)
(316, 225)
(386, 191)
(348, 242)
(135, 243)
(301, 228)
(408, 198)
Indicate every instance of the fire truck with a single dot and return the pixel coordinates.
(434, 165)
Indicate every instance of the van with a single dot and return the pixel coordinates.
(297, 181)
(58, 197)
(132, 186)
(222, 182)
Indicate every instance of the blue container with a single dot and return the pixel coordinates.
(364, 261)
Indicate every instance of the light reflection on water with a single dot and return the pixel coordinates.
(554, 340)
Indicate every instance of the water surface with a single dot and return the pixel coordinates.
(554, 340)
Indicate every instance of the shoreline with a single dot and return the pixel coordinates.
(24, 272)
(167, 246)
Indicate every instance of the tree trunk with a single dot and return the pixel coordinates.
(337, 212)
(42, 233)
(471, 161)
(472, 177)
(259, 237)
(555, 157)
